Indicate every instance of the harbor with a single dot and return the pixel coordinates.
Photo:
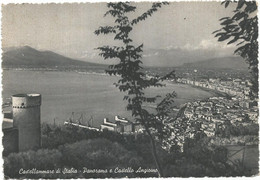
(118, 124)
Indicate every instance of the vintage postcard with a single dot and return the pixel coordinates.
(130, 89)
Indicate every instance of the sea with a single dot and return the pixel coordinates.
(86, 95)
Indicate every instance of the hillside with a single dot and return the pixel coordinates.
(235, 63)
(27, 57)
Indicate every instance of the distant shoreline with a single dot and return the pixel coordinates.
(217, 93)
(90, 72)
(212, 91)
(57, 70)
(61, 69)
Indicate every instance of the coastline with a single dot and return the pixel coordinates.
(87, 72)
(92, 95)
(217, 93)
(212, 91)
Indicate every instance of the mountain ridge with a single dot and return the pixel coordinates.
(27, 56)
(219, 63)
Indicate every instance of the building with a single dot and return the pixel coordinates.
(209, 133)
(22, 127)
(121, 125)
(110, 126)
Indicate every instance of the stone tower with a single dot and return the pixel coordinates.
(27, 119)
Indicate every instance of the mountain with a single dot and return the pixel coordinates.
(28, 57)
(235, 63)
(179, 56)
(32, 58)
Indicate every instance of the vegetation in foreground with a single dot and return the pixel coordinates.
(73, 150)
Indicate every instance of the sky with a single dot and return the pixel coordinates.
(182, 30)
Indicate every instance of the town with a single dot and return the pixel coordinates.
(214, 115)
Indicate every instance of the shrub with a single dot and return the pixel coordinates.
(92, 154)
(42, 159)
(96, 153)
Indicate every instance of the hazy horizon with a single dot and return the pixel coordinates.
(180, 32)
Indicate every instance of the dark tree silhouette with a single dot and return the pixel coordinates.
(242, 29)
(133, 80)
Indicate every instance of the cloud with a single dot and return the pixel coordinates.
(152, 54)
(170, 47)
(214, 44)
(89, 55)
(205, 44)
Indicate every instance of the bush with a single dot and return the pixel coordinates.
(42, 159)
(96, 153)
(91, 154)
(185, 168)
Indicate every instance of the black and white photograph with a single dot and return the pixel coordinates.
(150, 89)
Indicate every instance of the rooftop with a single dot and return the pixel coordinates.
(26, 95)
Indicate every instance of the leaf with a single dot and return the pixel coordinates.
(239, 49)
(105, 30)
(240, 4)
(227, 21)
(238, 15)
(149, 12)
(224, 18)
(232, 26)
(240, 43)
(233, 40)
(227, 3)
(220, 34)
(251, 7)
(126, 97)
(223, 37)
(216, 31)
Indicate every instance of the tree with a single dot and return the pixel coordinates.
(242, 29)
(133, 80)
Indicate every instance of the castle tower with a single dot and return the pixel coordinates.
(27, 119)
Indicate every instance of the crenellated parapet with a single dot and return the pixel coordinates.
(26, 100)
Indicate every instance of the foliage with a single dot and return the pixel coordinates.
(53, 136)
(99, 154)
(203, 152)
(187, 167)
(133, 81)
(109, 150)
(91, 154)
(43, 159)
(242, 29)
(60, 135)
(201, 158)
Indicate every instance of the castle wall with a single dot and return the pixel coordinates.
(10, 141)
